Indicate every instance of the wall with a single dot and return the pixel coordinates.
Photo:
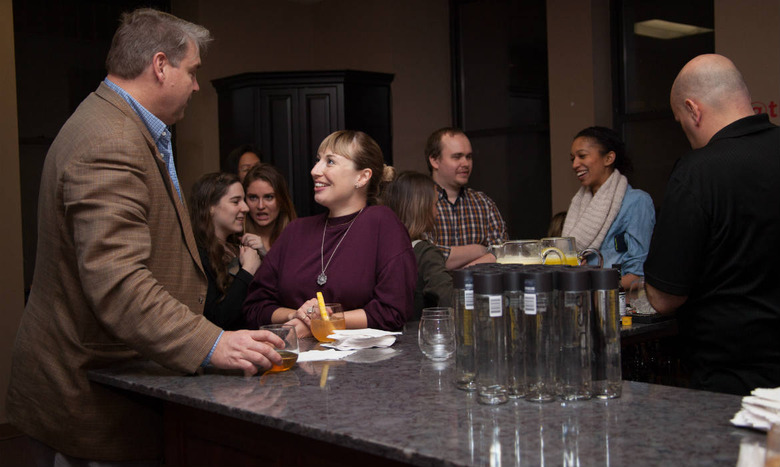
(748, 33)
(408, 38)
(580, 76)
(11, 276)
(578, 53)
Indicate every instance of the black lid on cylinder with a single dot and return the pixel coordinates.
(541, 280)
(513, 279)
(488, 283)
(573, 280)
(604, 279)
(462, 278)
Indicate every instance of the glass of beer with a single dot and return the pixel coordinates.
(321, 328)
(289, 352)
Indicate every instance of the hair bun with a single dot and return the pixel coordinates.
(388, 173)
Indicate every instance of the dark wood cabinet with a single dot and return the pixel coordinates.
(288, 114)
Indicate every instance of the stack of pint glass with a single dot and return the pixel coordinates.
(537, 332)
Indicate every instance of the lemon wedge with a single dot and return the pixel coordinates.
(323, 311)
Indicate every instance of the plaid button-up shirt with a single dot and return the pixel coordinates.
(472, 219)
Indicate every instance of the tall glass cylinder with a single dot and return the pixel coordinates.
(491, 337)
(515, 337)
(465, 357)
(574, 368)
(539, 352)
(607, 377)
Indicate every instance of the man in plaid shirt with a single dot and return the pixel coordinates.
(467, 221)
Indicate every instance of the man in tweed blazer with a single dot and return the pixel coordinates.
(118, 275)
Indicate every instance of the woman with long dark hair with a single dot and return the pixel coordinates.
(218, 213)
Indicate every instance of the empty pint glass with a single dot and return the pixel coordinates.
(574, 371)
(465, 358)
(540, 353)
(491, 342)
(605, 365)
(515, 338)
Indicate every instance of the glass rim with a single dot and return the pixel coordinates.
(277, 326)
(435, 317)
(338, 314)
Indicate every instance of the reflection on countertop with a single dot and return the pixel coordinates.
(403, 407)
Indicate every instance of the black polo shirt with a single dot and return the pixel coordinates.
(717, 241)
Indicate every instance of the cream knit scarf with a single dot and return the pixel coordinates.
(589, 217)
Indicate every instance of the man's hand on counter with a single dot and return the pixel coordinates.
(247, 350)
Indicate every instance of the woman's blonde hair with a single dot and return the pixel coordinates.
(365, 153)
(411, 196)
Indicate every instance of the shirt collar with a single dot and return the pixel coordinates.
(743, 126)
(159, 130)
(443, 193)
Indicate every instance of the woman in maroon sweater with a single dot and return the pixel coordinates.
(357, 254)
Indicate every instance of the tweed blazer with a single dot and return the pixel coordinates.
(117, 277)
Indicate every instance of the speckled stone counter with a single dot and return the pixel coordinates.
(396, 404)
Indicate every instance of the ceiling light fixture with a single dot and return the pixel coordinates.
(661, 29)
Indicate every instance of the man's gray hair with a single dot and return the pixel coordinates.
(144, 32)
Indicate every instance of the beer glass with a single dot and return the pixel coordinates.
(289, 352)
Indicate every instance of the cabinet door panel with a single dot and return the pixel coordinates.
(320, 116)
(288, 114)
(278, 115)
(238, 123)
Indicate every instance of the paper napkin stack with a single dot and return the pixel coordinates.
(759, 410)
(355, 339)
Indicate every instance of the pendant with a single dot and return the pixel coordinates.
(322, 279)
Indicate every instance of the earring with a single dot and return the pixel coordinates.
(358, 185)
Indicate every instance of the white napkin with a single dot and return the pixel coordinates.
(355, 339)
(323, 355)
(759, 410)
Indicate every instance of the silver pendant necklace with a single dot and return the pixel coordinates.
(322, 278)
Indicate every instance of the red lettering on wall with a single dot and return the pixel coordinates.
(761, 108)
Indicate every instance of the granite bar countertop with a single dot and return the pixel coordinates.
(397, 404)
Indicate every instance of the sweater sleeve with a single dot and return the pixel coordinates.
(262, 297)
(437, 281)
(392, 302)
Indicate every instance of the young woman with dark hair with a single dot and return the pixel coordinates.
(606, 212)
(218, 213)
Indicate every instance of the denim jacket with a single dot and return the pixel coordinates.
(628, 238)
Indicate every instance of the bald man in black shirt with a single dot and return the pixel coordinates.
(714, 256)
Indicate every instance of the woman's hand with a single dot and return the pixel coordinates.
(302, 313)
(255, 242)
(249, 258)
(301, 328)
